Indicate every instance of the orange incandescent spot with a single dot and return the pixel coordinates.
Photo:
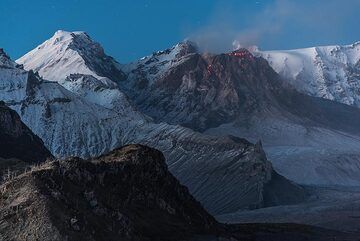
(242, 54)
(209, 68)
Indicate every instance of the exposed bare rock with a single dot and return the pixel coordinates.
(309, 140)
(126, 195)
(19, 146)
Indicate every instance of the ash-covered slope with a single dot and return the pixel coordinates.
(330, 72)
(73, 124)
(310, 140)
(204, 91)
(127, 194)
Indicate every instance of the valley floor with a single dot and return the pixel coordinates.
(336, 208)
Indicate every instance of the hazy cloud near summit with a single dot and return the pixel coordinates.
(313, 21)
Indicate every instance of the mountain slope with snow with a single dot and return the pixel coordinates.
(195, 90)
(68, 53)
(331, 72)
(83, 116)
(309, 140)
(80, 65)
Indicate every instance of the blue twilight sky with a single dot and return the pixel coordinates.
(130, 29)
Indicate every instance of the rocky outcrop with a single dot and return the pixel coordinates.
(204, 91)
(19, 146)
(195, 90)
(5, 61)
(127, 194)
(237, 182)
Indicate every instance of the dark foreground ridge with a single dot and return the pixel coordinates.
(19, 146)
(128, 194)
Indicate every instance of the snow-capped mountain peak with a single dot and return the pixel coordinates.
(80, 65)
(152, 66)
(185, 47)
(69, 53)
(65, 37)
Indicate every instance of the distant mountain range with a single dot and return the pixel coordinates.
(202, 111)
(85, 114)
(309, 140)
(226, 94)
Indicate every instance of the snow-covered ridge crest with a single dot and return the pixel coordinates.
(165, 57)
(158, 63)
(81, 66)
(51, 51)
(331, 72)
(69, 53)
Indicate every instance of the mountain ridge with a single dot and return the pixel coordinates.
(72, 121)
(19, 146)
(101, 199)
(330, 72)
(240, 94)
(127, 194)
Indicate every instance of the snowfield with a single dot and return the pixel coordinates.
(331, 72)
